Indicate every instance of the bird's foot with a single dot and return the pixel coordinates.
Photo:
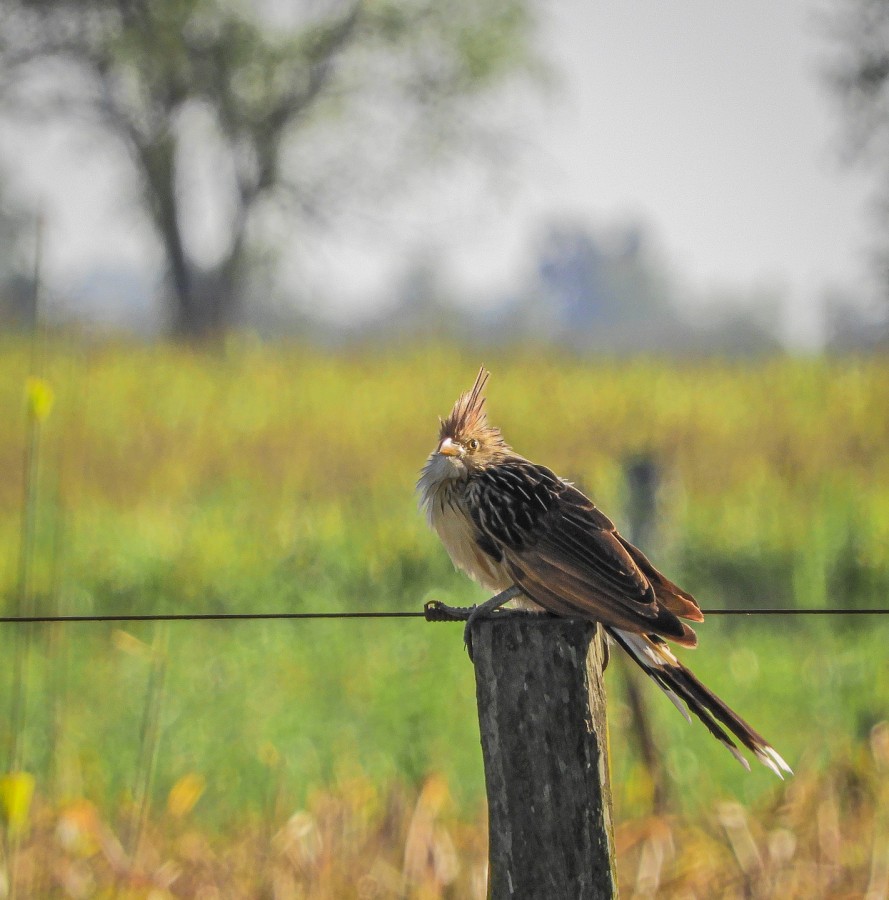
(441, 612)
(436, 611)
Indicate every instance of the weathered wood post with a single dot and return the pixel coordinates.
(541, 707)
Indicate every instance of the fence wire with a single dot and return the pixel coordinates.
(383, 614)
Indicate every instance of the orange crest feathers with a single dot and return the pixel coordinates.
(468, 414)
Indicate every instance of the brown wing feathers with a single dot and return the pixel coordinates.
(678, 601)
(567, 556)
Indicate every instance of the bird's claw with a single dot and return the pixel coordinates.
(436, 611)
(467, 633)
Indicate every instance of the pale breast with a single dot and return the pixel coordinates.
(455, 529)
(452, 524)
(440, 496)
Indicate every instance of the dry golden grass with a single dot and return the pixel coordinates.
(828, 837)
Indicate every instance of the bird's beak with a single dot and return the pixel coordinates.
(449, 448)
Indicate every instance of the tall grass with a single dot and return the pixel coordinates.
(826, 836)
(279, 478)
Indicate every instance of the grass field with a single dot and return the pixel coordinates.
(267, 478)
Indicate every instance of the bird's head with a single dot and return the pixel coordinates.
(466, 443)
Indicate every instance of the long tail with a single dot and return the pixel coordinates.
(652, 654)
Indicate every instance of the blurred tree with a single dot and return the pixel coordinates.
(606, 289)
(17, 295)
(279, 100)
(861, 78)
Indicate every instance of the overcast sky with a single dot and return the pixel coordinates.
(709, 122)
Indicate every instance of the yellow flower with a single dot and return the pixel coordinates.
(185, 794)
(16, 792)
(40, 397)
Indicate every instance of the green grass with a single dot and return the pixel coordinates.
(394, 700)
(278, 478)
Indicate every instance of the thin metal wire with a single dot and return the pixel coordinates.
(402, 614)
(791, 611)
(210, 617)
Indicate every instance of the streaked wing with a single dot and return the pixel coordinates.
(678, 601)
(562, 550)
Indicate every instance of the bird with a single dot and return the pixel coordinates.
(535, 539)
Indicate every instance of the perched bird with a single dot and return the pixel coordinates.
(534, 538)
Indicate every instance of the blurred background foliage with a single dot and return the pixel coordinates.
(279, 478)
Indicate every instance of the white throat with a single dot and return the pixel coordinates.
(439, 476)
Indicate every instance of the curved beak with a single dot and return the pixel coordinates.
(449, 448)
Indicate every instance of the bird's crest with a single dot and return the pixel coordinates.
(468, 415)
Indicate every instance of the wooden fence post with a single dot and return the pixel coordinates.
(541, 707)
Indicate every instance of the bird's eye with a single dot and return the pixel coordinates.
(472, 444)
